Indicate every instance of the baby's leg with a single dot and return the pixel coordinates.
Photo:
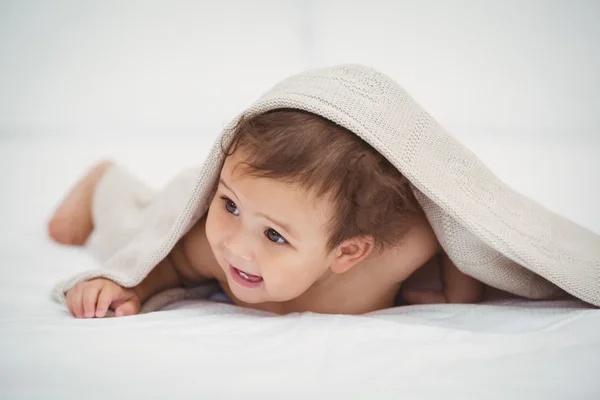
(72, 222)
(104, 210)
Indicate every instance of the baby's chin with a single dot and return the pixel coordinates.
(249, 296)
(254, 295)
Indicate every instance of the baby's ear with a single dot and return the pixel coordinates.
(350, 252)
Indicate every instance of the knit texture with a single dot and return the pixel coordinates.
(490, 231)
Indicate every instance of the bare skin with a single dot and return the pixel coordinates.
(71, 223)
(370, 285)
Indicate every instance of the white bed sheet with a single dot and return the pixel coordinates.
(510, 349)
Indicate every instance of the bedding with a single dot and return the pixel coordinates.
(515, 349)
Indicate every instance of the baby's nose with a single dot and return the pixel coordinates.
(240, 261)
(238, 250)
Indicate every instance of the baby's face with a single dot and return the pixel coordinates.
(268, 237)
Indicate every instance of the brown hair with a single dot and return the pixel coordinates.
(370, 196)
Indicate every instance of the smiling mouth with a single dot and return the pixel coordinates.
(244, 278)
(249, 277)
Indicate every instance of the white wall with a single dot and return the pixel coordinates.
(480, 66)
(85, 68)
(516, 81)
(90, 67)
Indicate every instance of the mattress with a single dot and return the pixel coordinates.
(509, 348)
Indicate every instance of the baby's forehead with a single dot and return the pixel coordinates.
(237, 172)
(241, 174)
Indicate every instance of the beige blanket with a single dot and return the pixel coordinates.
(490, 231)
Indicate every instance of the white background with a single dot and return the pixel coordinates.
(90, 67)
(152, 83)
(516, 81)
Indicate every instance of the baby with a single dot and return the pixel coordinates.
(306, 216)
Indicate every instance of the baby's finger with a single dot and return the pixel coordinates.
(90, 296)
(127, 308)
(104, 300)
(78, 302)
(69, 301)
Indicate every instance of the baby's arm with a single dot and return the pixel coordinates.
(457, 287)
(93, 298)
(173, 271)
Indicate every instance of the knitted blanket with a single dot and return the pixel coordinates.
(488, 230)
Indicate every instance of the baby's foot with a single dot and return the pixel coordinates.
(72, 222)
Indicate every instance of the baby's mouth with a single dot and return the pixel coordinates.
(249, 277)
(246, 276)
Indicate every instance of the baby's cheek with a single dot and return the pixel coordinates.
(292, 281)
(212, 227)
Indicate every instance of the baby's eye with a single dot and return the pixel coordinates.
(275, 237)
(230, 206)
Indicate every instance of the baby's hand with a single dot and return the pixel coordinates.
(93, 298)
(458, 287)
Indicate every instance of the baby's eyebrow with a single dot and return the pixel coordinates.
(286, 227)
(222, 182)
